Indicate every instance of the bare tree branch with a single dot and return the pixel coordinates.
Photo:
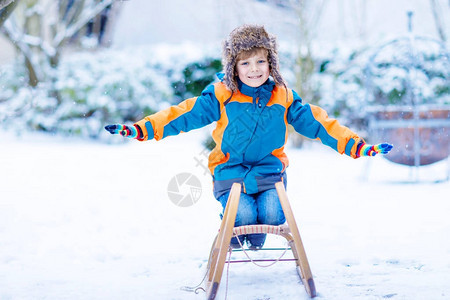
(22, 44)
(6, 8)
(36, 46)
(438, 20)
(5, 3)
(88, 14)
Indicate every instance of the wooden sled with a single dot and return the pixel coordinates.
(221, 244)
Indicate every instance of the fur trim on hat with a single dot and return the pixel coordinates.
(247, 37)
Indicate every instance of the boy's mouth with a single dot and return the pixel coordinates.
(255, 77)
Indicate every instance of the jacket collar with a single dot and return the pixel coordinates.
(263, 90)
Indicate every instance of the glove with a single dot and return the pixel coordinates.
(372, 150)
(133, 131)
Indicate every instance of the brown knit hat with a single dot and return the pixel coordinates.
(246, 37)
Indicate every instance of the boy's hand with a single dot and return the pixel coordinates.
(372, 150)
(128, 131)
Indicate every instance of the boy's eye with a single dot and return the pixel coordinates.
(261, 61)
(244, 63)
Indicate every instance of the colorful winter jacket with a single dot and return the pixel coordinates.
(251, 131)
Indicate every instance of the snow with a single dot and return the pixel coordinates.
(83, 220)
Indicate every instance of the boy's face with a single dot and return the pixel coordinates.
(254, 70)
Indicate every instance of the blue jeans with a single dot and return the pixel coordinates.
(260, 208)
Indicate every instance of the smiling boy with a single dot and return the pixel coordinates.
(252, 107)
(252, 67)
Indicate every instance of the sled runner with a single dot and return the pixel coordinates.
(221, 244)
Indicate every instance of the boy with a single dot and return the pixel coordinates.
(252, 113)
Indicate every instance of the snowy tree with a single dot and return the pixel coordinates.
(6, 8)
(40, 29)
(309, 14)
(439, 19)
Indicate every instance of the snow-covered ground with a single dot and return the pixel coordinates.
(81, 220)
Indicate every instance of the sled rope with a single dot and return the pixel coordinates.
(241, 230)
(228, 272)
(199, 287)
(254, 262)
(195, 289)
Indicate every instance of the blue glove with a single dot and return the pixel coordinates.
(133, 131)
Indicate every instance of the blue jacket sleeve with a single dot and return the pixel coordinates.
(313, 122)
(190, 114)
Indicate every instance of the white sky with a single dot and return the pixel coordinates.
(172, 21)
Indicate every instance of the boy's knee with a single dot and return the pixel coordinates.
(271, 217)
(245, 217)
(270, 211)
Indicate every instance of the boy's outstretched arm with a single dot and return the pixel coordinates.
(190, 114)
(372, 150)
(130, 131)
(313, 122)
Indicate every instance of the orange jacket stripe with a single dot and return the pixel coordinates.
(335, 130)
(216, 156)
(160, 119)
(279, 153)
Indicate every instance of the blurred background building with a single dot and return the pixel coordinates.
(137, 22)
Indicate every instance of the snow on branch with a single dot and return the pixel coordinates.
(23, 41)
(90, 10)
(5, 3)
(23, 44)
